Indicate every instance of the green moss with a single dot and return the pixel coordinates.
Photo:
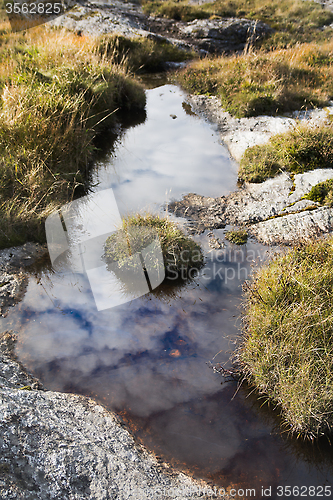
(322, 193)
(237, 236)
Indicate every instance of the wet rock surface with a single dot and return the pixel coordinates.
(13, 276)
(272, 211)
(63, 446)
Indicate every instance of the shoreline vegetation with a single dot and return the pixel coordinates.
(287, 346)
(261, 82)
(59, 92)
(299, 150)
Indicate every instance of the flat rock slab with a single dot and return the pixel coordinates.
(296, 227)
(272, 211)
(65, 447)
(128, 19)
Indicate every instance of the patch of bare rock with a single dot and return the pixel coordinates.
(127, 19)
(274, 211)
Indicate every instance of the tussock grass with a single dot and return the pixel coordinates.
(294, 22)
(181, 253)
(287, 348)
(265, 83)
(302, 148)
(57, 93)
(237, 236)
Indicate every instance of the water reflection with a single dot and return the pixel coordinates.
(166, 157)
(147, 359)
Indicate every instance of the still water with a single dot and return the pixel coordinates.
(148, 359)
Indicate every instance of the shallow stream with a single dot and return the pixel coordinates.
(148, 359)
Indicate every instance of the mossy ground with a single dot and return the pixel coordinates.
(288, 343)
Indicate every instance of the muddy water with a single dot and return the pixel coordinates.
(148, 358)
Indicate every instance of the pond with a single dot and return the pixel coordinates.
(149, 358)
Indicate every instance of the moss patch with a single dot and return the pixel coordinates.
(322, 193)
(237, 236)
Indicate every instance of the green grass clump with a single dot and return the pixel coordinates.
(237, 236)
(301, 149)
(57, 93)
(322, 193)
(287, 348)
(293, 22)
(177, 10)
(181, 254)
(265, 83)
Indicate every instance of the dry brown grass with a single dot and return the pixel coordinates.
(260, 82)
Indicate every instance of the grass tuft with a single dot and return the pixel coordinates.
(57, 93)
(287, 348)
(141, 54)
(237, 236)
(301, 149)
(181, 253)
(265, 83)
